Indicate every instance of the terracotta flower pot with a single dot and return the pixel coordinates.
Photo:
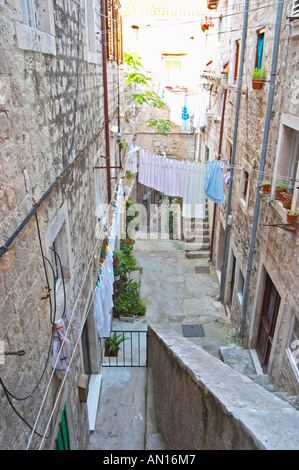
(266, 188)
(279, 193)
(291, 218)
(257, 84)
(110, 353)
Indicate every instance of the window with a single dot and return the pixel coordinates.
(259, 49)
(173, 69)
(63, 437)
(287, 158)
(240, 287)
(237, 59)
(114, 28)
(207, 153)
(295, 10)
(293, 346)
(269, 314)
(29, 13)
(35, 28)
(232, 278)
(244, 188)
(60, 258)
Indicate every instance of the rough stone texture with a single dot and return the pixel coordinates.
(276, 250)
(203, 404)
(51, 116)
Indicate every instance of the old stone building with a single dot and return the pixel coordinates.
(254, 248)
(60, 102)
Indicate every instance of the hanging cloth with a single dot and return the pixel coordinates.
(61, 349)
(185, 116)
(132, 157)
(194, 191)
(214, 181)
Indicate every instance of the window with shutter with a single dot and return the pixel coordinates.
(295, 12)
(110, 29)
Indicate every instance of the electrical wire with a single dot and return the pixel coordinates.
(68, 328)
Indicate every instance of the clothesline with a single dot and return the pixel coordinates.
(179, 178)
(103, 299)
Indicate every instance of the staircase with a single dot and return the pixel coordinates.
(240, 359)
(197, 237)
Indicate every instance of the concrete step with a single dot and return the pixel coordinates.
(193, 246)
(240, 359)
(197, 237)
(197, 254)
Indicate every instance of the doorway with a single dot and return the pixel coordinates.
(269, 312)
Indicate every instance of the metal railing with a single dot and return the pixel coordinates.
(132, 351)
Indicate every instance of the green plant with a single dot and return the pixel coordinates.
(265, 183)
(162, 125)
(259, 74)
(114, 341)
(289, 212)
(281, 186)
(136, 81)
(128, 301)
(124, 261)
(123, 145)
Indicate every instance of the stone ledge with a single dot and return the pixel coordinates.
(219, 408)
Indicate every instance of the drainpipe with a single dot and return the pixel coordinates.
(262, 162)
(105, 85)
(239, 93)
(218, 158)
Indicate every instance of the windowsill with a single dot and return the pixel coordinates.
(31, 39)
(243, 204)
(280, 211)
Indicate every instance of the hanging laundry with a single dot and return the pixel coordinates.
(194, 190)
(103, 298)
(132, 157)
(214, 181)
(61, 350)
(185, 116)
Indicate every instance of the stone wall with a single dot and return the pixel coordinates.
(203, 404)
(276, 250)
(51, 137)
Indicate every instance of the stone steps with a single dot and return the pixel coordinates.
(197, 237)
(240, 359)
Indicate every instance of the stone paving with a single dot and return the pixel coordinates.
(175, 295)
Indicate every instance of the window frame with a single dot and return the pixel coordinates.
(289, 349)
(241, 281)
(259, 33)
(288, 124)
(245, 184)
(237, 59)
(40, 36)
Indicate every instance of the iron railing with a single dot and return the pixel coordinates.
(132, 351)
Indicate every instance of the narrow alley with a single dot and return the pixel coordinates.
(176, 294)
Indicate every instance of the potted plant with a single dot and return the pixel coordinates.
(258, 78)
(286, 200)
(266, 185)
(280, 189)
(291, 216)
(112, 344)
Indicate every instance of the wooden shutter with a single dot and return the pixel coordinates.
(110, 30)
